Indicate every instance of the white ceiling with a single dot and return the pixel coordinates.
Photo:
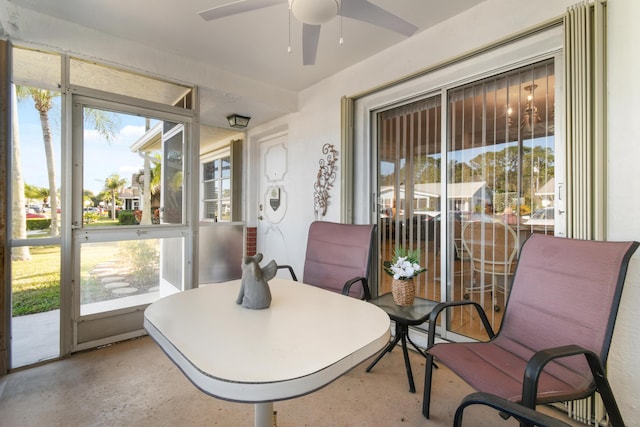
(252, 44)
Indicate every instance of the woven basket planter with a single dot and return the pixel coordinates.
(404, 291)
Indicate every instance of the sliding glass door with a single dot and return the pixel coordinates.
(501, 181)
(409, 187)
(486, 188)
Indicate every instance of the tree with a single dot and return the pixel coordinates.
(18, 214)
(514, 170)
(112, 183)
(102, 121)
(427, 169)
(31, 192)
(43, 102)
(105, 123)
(151, 189)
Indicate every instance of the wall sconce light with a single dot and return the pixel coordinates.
(237, 121)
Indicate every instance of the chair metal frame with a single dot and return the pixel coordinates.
(507, 409)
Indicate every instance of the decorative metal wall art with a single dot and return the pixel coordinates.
(324, 180)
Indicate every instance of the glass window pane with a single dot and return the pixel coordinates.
(409, 147)
(172, 207)
(121, 274)
(36, 164)
(210, 190)
(225, 211)
(226, 167)
(132, 170)
(211, 210)
(208, 171)
(226, 188)
(501, 183)
(216, 169)
(216, 189)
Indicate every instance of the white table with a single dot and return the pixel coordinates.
(307, 338)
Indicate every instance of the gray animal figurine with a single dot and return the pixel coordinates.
(254, 289)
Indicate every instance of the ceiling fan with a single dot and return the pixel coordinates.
(313, 13)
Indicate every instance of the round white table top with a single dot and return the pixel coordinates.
(307, 338)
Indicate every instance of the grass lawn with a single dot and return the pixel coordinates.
(36, 283)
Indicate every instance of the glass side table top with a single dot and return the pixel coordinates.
(410, 315)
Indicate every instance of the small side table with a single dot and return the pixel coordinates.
(403, 316)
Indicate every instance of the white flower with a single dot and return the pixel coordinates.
(404, 267)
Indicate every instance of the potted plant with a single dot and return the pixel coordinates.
(403, 268)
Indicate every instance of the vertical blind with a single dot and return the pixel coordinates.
(585, 61)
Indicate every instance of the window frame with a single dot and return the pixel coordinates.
(219, 155)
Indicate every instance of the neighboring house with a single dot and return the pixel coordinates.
(465, 197)
(130, 197)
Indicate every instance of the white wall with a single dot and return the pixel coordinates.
(624, 201)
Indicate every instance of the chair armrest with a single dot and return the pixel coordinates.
(519, 412)
(540, 359)
(433, 317)
(365, 287)
(288, 267)
(537, 363)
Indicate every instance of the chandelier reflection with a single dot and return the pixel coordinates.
(532, 124)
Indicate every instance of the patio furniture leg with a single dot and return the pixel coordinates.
(386, 350)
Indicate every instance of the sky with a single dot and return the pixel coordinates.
(102, 158)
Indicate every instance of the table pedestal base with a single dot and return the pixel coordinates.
(264, 416)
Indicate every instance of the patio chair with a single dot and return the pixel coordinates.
(493, 247)
(506, 407)
(338, 257)
(554, 339)
(461, 252)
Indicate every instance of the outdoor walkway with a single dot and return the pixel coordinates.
(35, 338)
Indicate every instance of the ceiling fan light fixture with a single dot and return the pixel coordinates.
(314, 12)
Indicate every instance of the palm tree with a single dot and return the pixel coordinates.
(31, 192)
(112, 183)
(150, 190)
(43, 102)
(102, 121)
(18, 214)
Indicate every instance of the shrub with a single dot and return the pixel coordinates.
(38, 224)
(142, 257)
(91, 217)
(126, 217)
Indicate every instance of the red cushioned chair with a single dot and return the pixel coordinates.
(338, 258)
(556, 331)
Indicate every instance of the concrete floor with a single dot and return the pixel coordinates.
(134, 384)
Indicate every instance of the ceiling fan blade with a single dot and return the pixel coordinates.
(363, 10)
(236, 7)
(310, 39)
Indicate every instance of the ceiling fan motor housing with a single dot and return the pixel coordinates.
(314, 12)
